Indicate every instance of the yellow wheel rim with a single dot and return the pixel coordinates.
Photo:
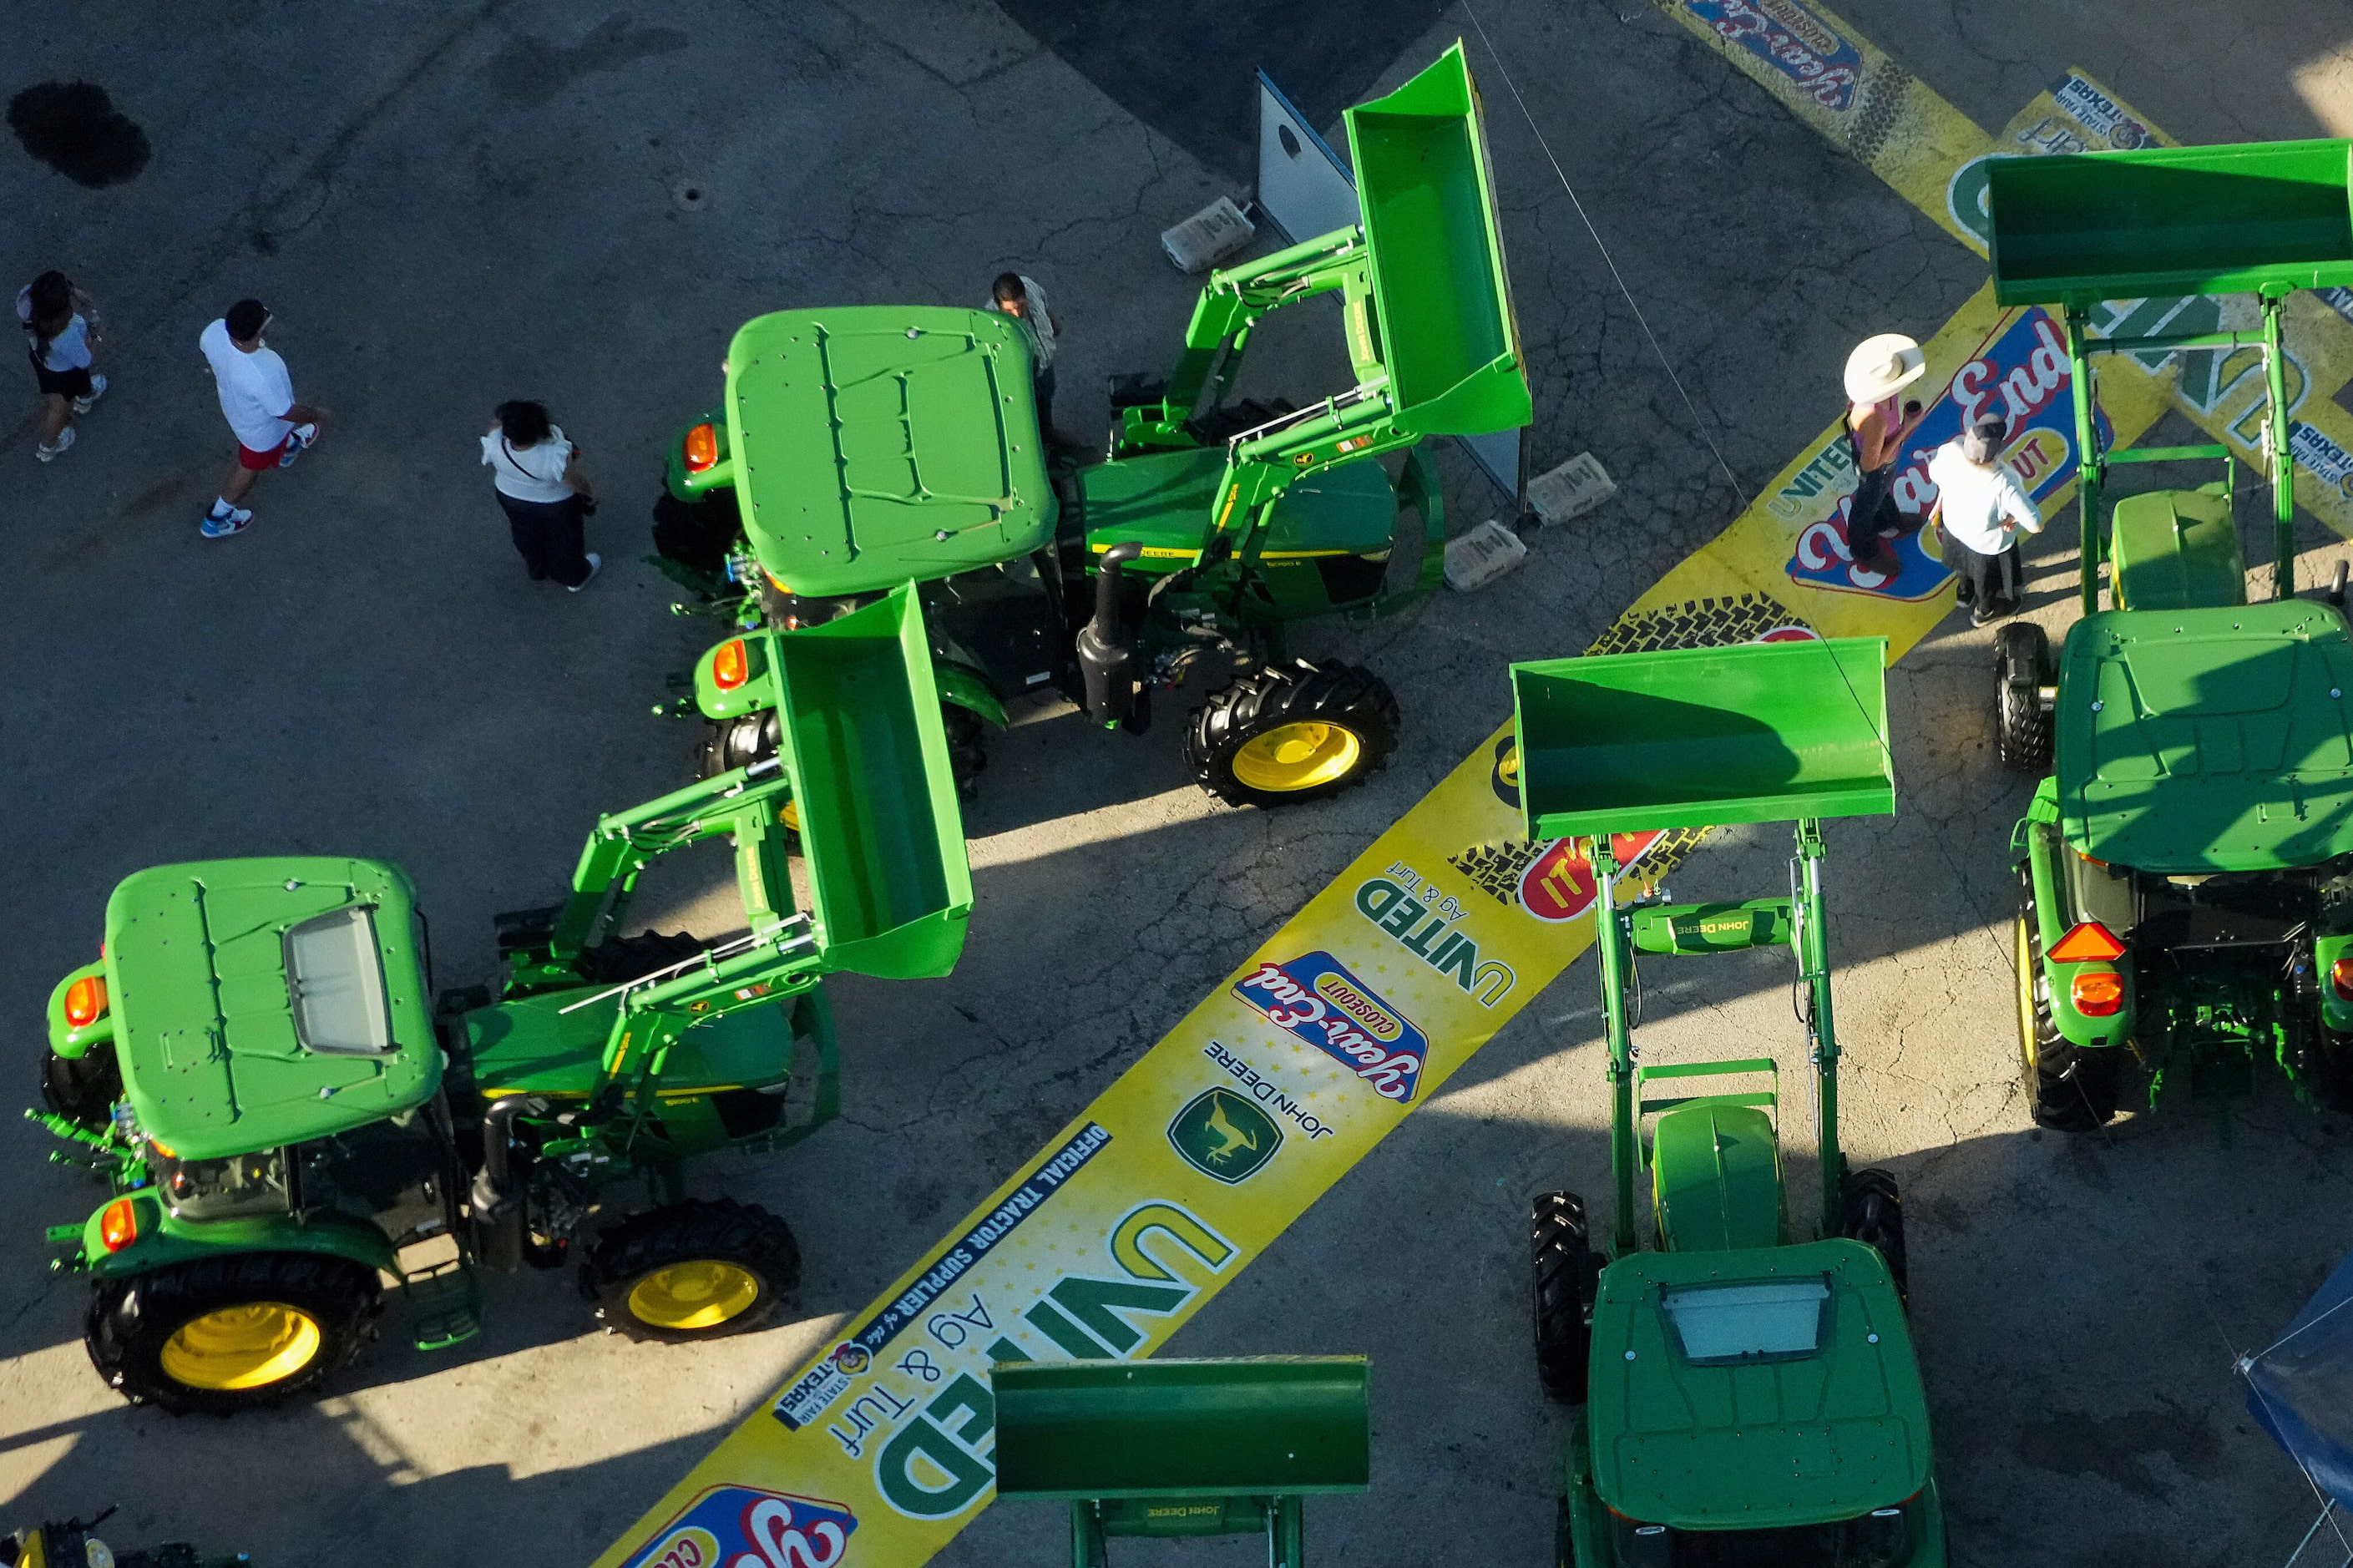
(791, 815)
(249, 1346)
(700, 1295)
(2025, 996)
(1297, 756)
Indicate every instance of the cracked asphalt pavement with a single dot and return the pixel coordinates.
(448, 206)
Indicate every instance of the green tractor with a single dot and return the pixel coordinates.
(68, 1544)
(1747, 1397)
(285, 1114)
(861, 447)
(2186, 867)
(1172, 1450)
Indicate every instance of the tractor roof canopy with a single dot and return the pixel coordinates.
(874, 444)
(260, 1003)
(2260, 217)
(1756, 1389)
(2199, 740)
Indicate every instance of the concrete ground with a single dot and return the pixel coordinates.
(448, 206)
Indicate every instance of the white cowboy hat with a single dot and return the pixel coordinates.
(1883, 366)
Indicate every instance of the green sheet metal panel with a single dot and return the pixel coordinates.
(890, 883)
(2166, 221)
(1260, 1424)
(1798, 1440)
(1161, 501)
(2176, 550)
(2207, 739)
(862, 435)
(205, 1025)
(1695, 737)
(1440, 291)
(1715, 1173)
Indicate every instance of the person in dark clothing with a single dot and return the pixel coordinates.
(545, 492)
(1880, 368)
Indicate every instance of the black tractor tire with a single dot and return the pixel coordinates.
(2022, 729)
(2068, 1088)
(1343, 697)
(131, 1324)
(1872, 1214)
(83, 1089)
(1564, 1535)
(1564, 1274)
(967, 747)
(641, 1250)
(2322, 1060)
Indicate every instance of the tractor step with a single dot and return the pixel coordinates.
(445, 1304)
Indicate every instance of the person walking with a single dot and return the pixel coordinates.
(60, 333)
(1024, 299)
(1878, 370)
(256, 397)
(1982, 509)
(545, 491)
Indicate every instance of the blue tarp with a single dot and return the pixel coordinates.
(2301, 1389)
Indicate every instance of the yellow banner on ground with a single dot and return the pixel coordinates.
(1354, 1013)
(1829, 75)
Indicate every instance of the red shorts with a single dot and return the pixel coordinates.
(260, 462)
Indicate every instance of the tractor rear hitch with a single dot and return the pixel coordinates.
(1106, 656)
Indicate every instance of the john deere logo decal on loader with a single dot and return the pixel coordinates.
(1222, 1134)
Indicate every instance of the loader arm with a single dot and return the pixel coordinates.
(747, 802)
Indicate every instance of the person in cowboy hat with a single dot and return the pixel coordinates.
(1982, 509)
(1880, 368)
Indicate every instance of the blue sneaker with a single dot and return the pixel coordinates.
(220, 524)
(298, 441)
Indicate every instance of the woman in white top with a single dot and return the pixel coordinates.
(60, 326)
(541, 485)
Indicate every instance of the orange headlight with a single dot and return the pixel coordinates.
(2097, 993)
(702, 449)
(118, 1226)
(731, 667)
(2340, 977)
(86, 1001)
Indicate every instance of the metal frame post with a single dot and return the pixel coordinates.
(1610, 933)
(2282, 463)
(2091, 464)
(1812, 944)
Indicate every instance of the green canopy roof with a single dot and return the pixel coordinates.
(2199, 740)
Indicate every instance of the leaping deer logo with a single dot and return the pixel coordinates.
(1231, 1140)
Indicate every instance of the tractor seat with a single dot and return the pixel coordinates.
(1716, 1178)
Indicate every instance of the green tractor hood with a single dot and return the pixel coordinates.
(1755, 1390)
(263, 1002)
(2201, 740)
(2265, 217)
(877, 443)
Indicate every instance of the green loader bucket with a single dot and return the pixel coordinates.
(1701, 737)
(889, 883)
(2169, 221)
(1268, 1426)
(1439, 291)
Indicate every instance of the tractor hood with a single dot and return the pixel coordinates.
(877, 443)
(1754, 1390)
(260, 1003)
(2193, 741)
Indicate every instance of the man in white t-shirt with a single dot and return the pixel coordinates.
(257, 396)
(1024, 299)
(1982, 509)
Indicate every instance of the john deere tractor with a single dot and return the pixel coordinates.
(69, 1543)
(2185, 867)
(861, 447)
(288, 1117)
(1748, 1396)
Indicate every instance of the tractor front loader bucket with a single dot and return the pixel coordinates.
(890, 887)
(1440, 294)
(1183, 1447)
(2260, 218)
(1696, 738)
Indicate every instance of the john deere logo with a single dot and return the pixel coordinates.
(1223, 1135)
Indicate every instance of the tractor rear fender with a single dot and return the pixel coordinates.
(737, 677)
(967, 688)
(693, 485)
(2054, 915)
(65, 1039)
(163, 1240)
(2328, 952)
